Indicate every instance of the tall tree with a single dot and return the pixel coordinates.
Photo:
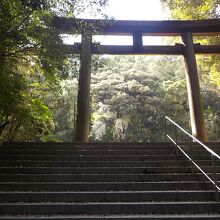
(32, 57)
(209, 66)
(131, 95)
(193, 9)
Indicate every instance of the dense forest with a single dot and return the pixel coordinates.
(130, 95)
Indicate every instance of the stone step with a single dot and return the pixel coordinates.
(104, 181)
(96, 170)
(98, 152)
(102, 170)
(115, 196)
(105, 186)
(114, 217)
(102, 177)
(97, 146)
(87, 152)
(101, 163)
(102, 146)
(87, 147)
(107, 208)
(99, 157)
(52, 144)
(164, 143)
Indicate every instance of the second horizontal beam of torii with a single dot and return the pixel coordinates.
(147, 50)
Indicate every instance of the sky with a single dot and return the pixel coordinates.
(129, 10)
(136, 10)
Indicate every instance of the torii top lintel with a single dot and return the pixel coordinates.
(127, 27)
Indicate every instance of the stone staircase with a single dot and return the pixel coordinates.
(104, 181)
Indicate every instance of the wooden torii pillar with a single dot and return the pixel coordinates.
(193, 89)
(83, 100)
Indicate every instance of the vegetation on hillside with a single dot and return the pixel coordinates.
(32, 63)
(130, 95)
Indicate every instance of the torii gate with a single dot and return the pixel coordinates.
(137, 29)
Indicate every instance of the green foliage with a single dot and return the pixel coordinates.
(27, 50)
(65, 111)
(191, 9)
(187, 10)
(132, 94)
(32, 60)
(209, 66)
(129, 98)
